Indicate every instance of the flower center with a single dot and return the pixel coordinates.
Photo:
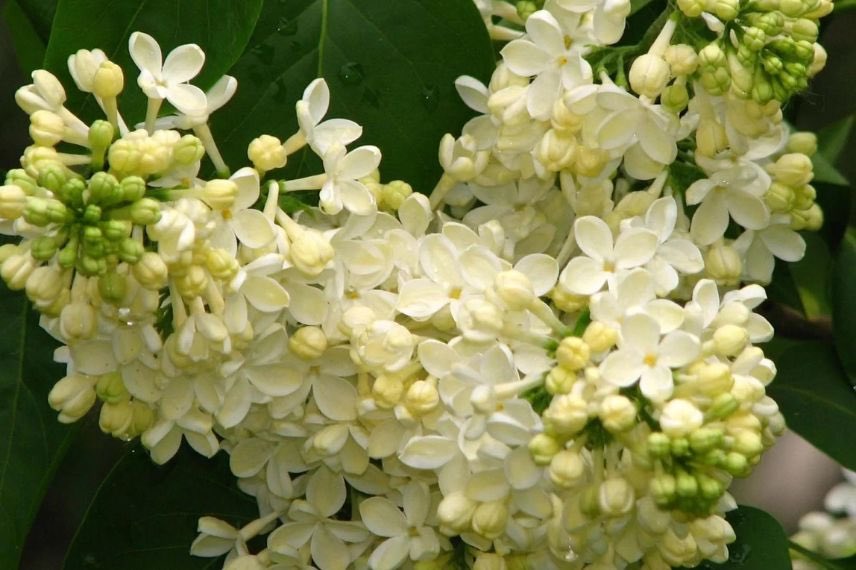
(650, 359)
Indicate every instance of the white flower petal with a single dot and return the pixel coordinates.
(335, 397)
(593, 237)
(623, 367)
(382, 517)
(428, 452)
(265, 294)
(145, 52)
(583, 276)
(525, 58)
(183, 63)
(390, 553)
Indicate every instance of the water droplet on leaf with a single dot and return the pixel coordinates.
(286, 27)
(351, 73)
(430, 97)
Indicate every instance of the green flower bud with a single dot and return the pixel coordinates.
(762, 90)
(543, 448)
(772, 23)
(112, 287)
(71, 193)
(716, 82)
(649, 74)
(115, 230)
(675, 97)
(686, 485)
(92, 214)
(682, 59)
(726, 10)
(736, 464)
(526, 8)
(145, 211)
(52, 176)
(680, 447)
(691, 8)
(792, 169)
(490, 519)
(804, 52)
(267, 153)
(567, 469)
(220, 194)
(711, 56)
(748, 443)
(44, 211)
(616, 497)
(111, 389)
(92, 266)
(104, 189)
(709, 488)
(100, 136)
(67, 256)
(116, 419)
(804, 30)
(394, 194)
(754, 38)
(133, 188)
(663, 489)
(723, 406)
(659, 445)
(44, 248)
(188, 150)
(19, 177)
(783, 47)
(704, 439)
(804, 197)
(792, 8)
(130, 250)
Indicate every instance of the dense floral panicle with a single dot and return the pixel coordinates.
(550, 362)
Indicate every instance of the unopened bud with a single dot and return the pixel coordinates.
(792, 169)
(72, 397)
(46, 128)
(543, 448)
(567, 469)
(422, 397)
(150, 271)
(616, 497)
(600, 337)
(310, 252)
(267, 153)
(112, 287)
(188, 150)
(723, 263)
(455, 512)
(566, 415)
(77, 321)
(220, 194)
(617, 413)
(680, 417)
(490, 519)
(145, 211)
(682, 59)
(308, 343)
(116, 419)
(108, 80)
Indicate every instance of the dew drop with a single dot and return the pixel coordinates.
(264, 52)
(351, 73)
(430, 97)
(739, 553)
(286, 27)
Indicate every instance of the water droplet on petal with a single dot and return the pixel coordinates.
(351, 73)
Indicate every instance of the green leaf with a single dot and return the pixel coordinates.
(844, 303)
(41, 14)
(815, 397)
(761, 542)
(832, 139)
(29, 47)
(825, 171)
(32, 441)
(811, 275)
(835, 202)
(145, 516)
(782, 288)
(390, 67)
(220, 27)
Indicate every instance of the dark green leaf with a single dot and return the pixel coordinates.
(41, 14)
(844, 303)
(390, 67)
(816, 399)
(32, 441)
(29, 47)
(636, 5)
(835, 202)
(220, 27)
(144, 516)
(825, 171)
(782, 288)
(832, 139)
(811, 275)
(761, 542)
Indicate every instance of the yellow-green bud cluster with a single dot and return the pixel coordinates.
(769, 52)
(790, 193)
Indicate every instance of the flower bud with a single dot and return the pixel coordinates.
(729, 340)
(490, 519)
(480, 320)
(192, 283)
(108, 80)
(818, 59)
(780, 198)
(13, 199)
(710, 137)
(116, 419)
(310, 252)
(188, 150)
(455, 512)
(387, 391)
(726, 10)
(77, 321)
(600, 337)
(515, 289)
(143, 419)
(649, 74)
(792, 169)
(460, 158)
(543, 448)
(145, 211)
(100, 136)
(617, 413)
(704, 439)
(150, 271)
(559, 380)
(267, 153)
(46, 128)
(112, 287)
(615, 497)
(16, 269)
(714, 378)
(691, 8)
(663, 489)
(736, 464)
(682, 59)
(748, 443)
(723, 406)
(566, 415)
(680, 417)
(393, 195)
(659, 445)
(308, 343)
(722, 263)
(110, 388)
(567, 469)
(220, 194)
(573, 353)
(556, 150)
(686, 485)
(72, 397)
(421, 398)
(675, 97)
